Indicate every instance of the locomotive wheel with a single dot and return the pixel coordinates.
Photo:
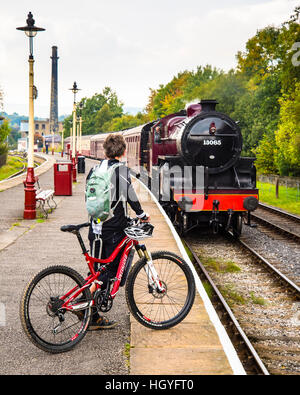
(181, 224)
(237, 224)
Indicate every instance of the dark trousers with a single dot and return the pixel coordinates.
(109, 243)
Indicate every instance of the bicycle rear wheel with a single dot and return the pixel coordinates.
(46, 324)
(155, 309)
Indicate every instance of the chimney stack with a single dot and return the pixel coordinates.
(53, 100)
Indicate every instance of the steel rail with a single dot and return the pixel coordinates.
(278, 228)
(259, 365)
(279, 211)
(294, 287)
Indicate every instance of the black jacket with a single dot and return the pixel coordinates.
(122, 185)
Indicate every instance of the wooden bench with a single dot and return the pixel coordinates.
(43, 197)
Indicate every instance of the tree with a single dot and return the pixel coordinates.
(265, 154)
(4, 132)
(127, 121)
(287, 136)
(93, 120)
(257, 111)
(169, 98)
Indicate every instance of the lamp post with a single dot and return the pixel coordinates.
(80, 125)
(77, 138)
(74, 89)
(30, 205)
(62, 143)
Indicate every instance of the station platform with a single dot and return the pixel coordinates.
(198, 345)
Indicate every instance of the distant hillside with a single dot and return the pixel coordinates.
(15, 119)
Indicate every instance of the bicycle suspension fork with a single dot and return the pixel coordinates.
(153, 278)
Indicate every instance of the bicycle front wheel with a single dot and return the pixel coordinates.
(161, 309)
(45, 322)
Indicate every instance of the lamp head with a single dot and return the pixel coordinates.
(30, 29)
(74, 89)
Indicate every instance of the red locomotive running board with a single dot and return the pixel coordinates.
(232, 200)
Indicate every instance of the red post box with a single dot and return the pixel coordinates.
(63, 178)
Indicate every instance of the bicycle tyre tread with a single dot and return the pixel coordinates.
(129, 290)
(24, 300)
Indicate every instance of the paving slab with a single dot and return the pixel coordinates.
(42, 244)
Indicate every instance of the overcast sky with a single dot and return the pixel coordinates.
(129, 45)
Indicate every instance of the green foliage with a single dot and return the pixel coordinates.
(262, 94)
(265, 153)
(126, 121)
(4, 132)
(287, 137)
(96, 111)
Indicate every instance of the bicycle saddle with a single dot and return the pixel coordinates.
(73, 228)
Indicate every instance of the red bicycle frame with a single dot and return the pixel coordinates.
(93, 277)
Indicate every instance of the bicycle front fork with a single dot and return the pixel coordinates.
(153, 278)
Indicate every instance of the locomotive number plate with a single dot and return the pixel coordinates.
(212, 142)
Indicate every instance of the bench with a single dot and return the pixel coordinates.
(43, 197)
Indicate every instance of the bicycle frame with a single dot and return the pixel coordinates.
(93, 277)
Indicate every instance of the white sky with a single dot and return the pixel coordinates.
(129, 45)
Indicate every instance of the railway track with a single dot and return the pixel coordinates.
(278, 221)
(260, 313)
(23, 160)
(283, 230)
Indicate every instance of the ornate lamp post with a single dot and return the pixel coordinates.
(80, 125)
(62, 143)
(30, 204)
(74, 89)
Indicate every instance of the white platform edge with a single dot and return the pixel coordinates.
(229, 350)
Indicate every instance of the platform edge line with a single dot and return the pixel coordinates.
(229, 350)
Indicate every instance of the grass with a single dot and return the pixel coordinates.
(12, 166)
(257, 299)
(208, 289)
(220, 265)
(15, 224)
(232, 296)
(127, 353)
(288, 200)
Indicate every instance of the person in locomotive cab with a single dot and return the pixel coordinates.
(105, 237)
(157, 134)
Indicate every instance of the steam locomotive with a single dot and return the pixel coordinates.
(192, 162)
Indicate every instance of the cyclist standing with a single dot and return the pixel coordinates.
(105, 237)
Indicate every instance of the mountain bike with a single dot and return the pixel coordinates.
(56, 306)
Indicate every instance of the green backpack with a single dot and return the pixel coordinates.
(98, 192)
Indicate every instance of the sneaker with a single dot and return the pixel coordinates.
(101, 323)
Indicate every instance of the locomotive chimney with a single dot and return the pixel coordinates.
(208, 105)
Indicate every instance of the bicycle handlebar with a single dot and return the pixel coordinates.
(76, 228)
